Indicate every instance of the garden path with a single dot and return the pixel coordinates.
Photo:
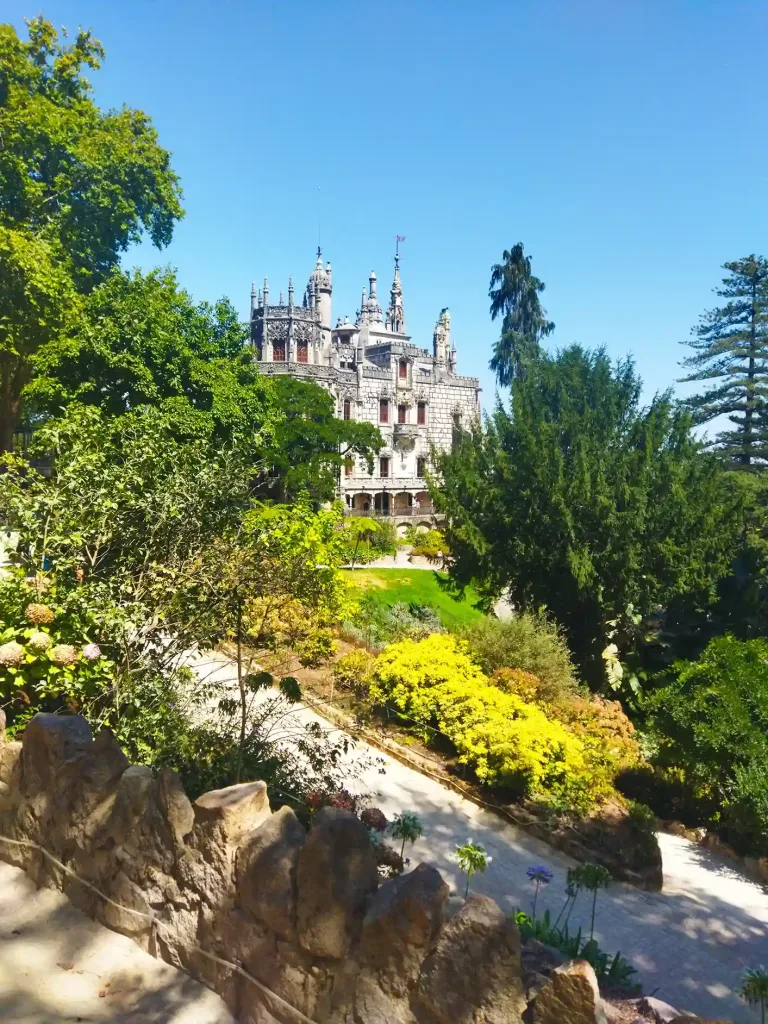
(57, 965)
(690, 942)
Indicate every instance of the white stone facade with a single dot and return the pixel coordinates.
(376, 374)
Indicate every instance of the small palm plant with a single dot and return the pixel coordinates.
(754, 988)
(472, 857)
(406, 826)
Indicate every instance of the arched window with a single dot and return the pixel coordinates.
(421, 413)
(302, 353)
(401, 414)
(403, 369)
(347, 409)
(383, 410)
(278, 352)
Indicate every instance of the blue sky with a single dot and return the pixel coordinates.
(624, 143)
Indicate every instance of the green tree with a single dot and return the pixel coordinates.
(583, 502)
(754, 989)
(77, 186)
(139, 339)
(514, 295)
(311, 444)
(730, 348)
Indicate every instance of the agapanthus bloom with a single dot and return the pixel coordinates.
(11, 654)
(63, 655)
(40, 641)
(40, 614)
(539, 873)
(91, 652)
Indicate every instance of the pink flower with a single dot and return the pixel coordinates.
(91, 652)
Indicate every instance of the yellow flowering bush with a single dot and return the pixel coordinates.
(505, 740)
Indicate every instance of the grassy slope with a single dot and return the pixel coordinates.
(418, 586)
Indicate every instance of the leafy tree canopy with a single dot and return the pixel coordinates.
(78, 185)
(582, 502)
(730, 354)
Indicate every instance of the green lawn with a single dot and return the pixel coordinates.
(417, 586)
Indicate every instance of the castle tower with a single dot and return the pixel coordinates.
(322, 288)
(441, 340)
(396, 312)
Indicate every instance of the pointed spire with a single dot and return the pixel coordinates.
(260, 299)
(396, 311)
(253, 296)
(266, 292)
(373, 309)
(290, 291)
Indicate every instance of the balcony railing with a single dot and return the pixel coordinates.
(423, 510)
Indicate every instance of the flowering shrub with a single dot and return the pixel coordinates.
(608, 736)
(45, 670)
(353, 671)
(505, 740)
(518, 681)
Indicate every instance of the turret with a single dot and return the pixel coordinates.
(441, 339)
(372, 306)
(396, 312)
(254, 302)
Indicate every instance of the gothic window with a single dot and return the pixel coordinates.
(302, 352)
(421, 413)
(403, 370)
(278, 352)
(347, 409)
(384, 466)
(421, 466)
(348, 467)
(383, 410)
(401, 414)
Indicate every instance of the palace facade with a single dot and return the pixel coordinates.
(375, 373)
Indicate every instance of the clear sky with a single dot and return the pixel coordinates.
(624, 143)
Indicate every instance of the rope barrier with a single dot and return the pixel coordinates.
(156, 925)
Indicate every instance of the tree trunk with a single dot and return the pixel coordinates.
(12, 380)
(749, 412)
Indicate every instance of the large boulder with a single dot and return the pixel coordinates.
(233, 812)
(266, 866)
(659, 1011)
(336, 874)
(572, 995)
(402, 924)
(473, 975)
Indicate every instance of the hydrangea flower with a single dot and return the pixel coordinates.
(40, 641)
(11, 654)
(40, 614)
(63, 655)
(91, 652)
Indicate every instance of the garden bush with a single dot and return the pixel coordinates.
(504, 740)
(608, 736)
(711, 727)
(532, 643)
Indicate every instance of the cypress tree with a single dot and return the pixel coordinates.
(514, 295)
(730, 347)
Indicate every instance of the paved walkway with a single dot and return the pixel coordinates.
(691, 942)
(57, 965)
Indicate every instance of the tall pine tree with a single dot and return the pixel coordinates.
(514, 295)
(730, 347)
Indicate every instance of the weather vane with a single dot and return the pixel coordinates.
(398, 240)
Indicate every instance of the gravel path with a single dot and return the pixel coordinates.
(691, 942)
(57, 965)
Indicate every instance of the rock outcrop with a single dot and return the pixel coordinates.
(224, 881)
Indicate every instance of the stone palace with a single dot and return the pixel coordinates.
(374, 372)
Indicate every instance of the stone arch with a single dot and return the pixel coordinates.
(362, 501)
(403, 503)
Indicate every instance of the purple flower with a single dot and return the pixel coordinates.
(539, 873)
(92, 652)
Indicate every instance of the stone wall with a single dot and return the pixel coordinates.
(302, 912)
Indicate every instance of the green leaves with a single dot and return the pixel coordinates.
(582, 501)
(77, 186)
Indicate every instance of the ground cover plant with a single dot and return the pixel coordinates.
(419, 587)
